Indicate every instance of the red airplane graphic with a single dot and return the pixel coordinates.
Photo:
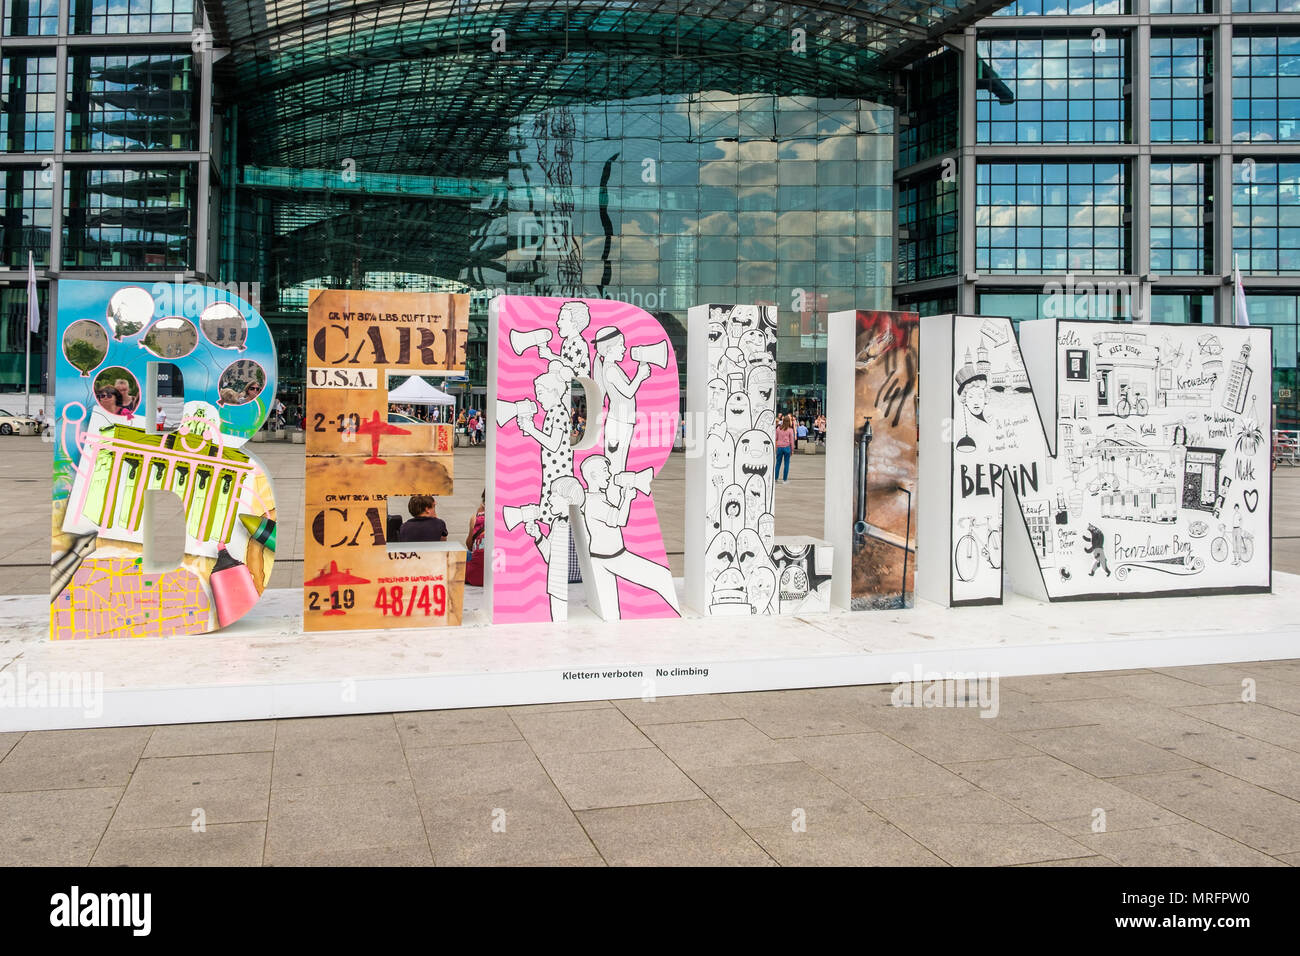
(332, 579)
(374, 428)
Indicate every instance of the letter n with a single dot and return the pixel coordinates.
(1099, 444)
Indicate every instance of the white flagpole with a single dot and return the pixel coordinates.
(33, 309)
(1240, 315)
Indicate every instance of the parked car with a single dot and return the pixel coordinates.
(399, 419)
(14, 424)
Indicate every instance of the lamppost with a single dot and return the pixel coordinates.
(862, 463)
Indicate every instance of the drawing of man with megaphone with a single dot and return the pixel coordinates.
(607, 508)
(620, 391)
(551, 389)
(572, 321)
(559, 489)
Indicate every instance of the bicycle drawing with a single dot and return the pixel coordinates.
(966, 559)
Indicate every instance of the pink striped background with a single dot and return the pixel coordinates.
(519, 581)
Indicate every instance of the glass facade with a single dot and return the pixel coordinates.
(1151, 180)
(71, 95)
(665, 202)
(133, 16)
(28, 216)
(1266, 87)
(1181, 206)
(1185, 307)
(932, 107)
(27, 119)
(1051, 88)
(1266, 217)
(1081, 301)
(927, 228)
(1050, 217)
(30, 18)
(1265, 6)
(125, 103)
(1167, 7)
(121, 218)
(1060, 8)
(1280, 311)
(1181, 68)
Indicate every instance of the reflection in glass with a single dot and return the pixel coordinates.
(123, 103)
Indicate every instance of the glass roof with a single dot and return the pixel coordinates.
(431, 86)
(428, 101)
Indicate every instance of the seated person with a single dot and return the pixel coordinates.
(394, 529)
(425, 525)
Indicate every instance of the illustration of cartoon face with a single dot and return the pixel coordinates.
(975, 397)
(717, 335)
(742, 319)
(549, 390)
(573, 318)
(755, 500)
(767, 531)
(728, 595)
(720, 452)
(753, 345)
(595, 471)
(754, 455)
(765, 422)
(749, 552)
(731, 509)
(761, 389)
(610, 345)
(721, 555)
(717, 399)
(738, 418)
(761, 586)
(794, 587)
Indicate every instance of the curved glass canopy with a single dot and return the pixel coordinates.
(385, 136)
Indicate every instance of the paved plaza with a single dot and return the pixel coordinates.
(1165, 766)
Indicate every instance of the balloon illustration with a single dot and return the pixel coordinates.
(129, 310)
(85, 343)
(117, 391)
(224, 326)
(171, 338)
(241, 383)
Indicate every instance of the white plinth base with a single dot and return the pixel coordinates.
(268, 668)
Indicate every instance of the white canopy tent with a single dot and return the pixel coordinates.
(416, 391)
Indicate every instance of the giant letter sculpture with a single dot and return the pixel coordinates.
(356, 460)
(734, 562)
(1157, 480)
(872, 386)
(541, 486)
(112, 447)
